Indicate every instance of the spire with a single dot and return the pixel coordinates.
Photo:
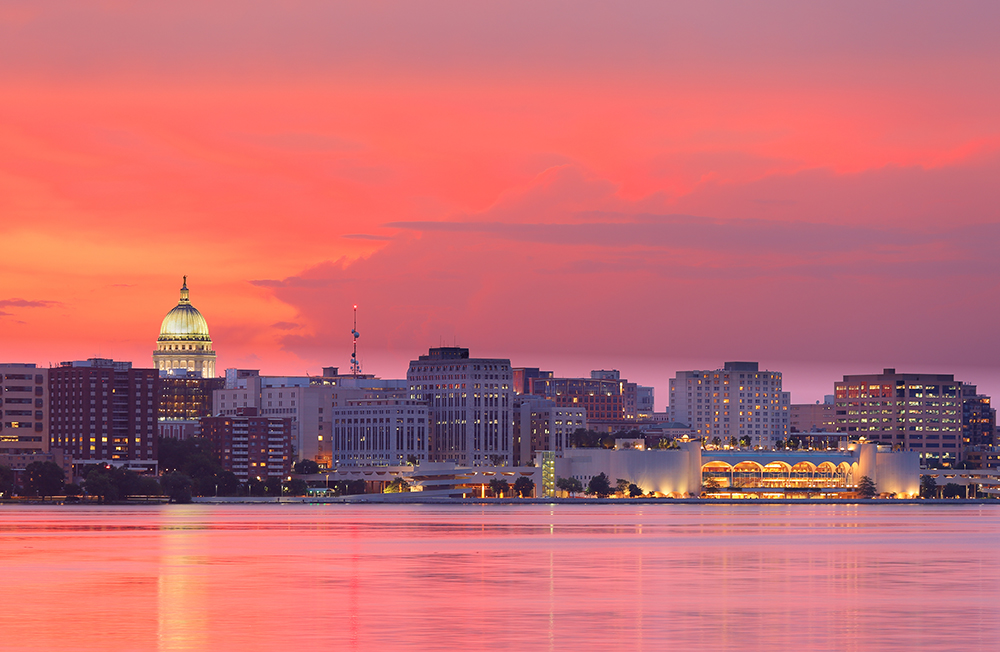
(184, 291)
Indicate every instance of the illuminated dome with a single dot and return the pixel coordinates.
(184, 322)
(184, 344)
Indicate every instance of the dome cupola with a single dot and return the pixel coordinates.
(184, 343)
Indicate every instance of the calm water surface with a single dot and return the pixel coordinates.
(377, 577)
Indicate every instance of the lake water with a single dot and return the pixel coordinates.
(432, 577)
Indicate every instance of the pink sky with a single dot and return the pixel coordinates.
(644, 186)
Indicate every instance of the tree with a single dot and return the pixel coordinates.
(178, 487)
(272, 486)
(297, 487)
(716, 442)
(928, 486)
(524, 487)
(711, 486)
(412, 460)
(194, 458)
(228, 484)
(600, 486)
(498, 460)
(146, 486)
(351, 487)
(397, 486)
(499, 487)
(583, 438)
(7, 483)
(953, 490)
(43, 479)
(100, 484)
(866, 487)
(569, 485)
(305, 467)
(621, 486)
(634, 491)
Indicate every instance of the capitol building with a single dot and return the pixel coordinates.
(184, 343)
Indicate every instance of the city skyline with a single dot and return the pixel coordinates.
(651, 189)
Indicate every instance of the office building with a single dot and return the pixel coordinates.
(24, 409)
(469, 403)
(610, 402)
(105, 412)
(378, 432)
(541, 425)
(738, 402)
(910, 412)
(978, 419)
(250, 445)
(812, 417)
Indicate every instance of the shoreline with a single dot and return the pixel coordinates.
(403, 499)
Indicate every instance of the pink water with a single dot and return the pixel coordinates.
(377, 577)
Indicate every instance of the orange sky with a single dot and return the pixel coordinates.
(573, 185)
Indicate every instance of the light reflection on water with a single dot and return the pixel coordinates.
(367, 577)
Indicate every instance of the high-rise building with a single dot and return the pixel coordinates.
(979, 419)
(913, 412)
(738, 402)
(306, 400)
(610, 402)
(469, 404)
(378, 432)
(186, 395)
(812, 417)
(271, 396)
(644, 402)
(522, 377)
(184, 342)
(24, 409)
(105, 412)
(541, 425)
(250, 445)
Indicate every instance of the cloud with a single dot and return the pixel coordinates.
(537, 272)
(285, 325)
(25, 303)
(366, 236)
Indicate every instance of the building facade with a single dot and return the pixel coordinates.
(812, 417)
(184, 342)
(611, 403)
(250, 445)
(186, 395)
(910, 412)
(738, 402)
(379, 432)
(469, 403)
(541, 425)
(979, 419)
(24, 409)
(105, 412)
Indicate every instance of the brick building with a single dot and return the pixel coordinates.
(249, 445)
(103, 411)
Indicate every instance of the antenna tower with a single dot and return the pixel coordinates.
(355, 365)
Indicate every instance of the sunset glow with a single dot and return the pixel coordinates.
(571, 185)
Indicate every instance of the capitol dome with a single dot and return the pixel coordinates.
(184, 322)
(184, 343)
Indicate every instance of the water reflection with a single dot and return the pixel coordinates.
(369, 577)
